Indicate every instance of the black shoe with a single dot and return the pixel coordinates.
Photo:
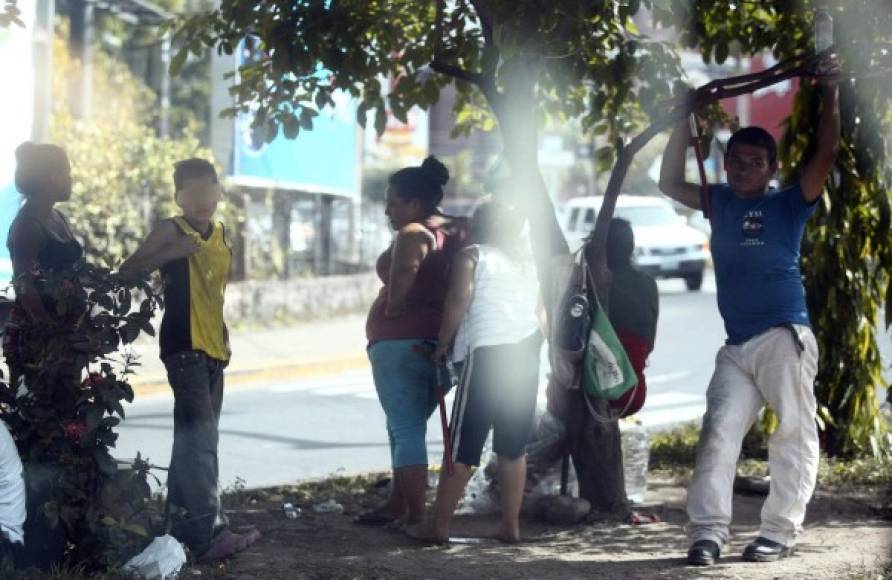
(765, 550)
(703, 553)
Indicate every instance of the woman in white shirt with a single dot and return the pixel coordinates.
(491, 319)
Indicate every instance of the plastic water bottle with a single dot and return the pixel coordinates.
(291, 512)
(636, 456)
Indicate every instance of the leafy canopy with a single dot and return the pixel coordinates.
(593, 63)
(588, 61)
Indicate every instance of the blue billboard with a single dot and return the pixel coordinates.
(17, 110)
(323, 160)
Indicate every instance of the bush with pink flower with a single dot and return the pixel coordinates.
(63, 413)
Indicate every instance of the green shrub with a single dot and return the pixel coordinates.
(674, 451)
(64, 410)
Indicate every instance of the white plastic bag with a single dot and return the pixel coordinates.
(161, 560)
(479, 498)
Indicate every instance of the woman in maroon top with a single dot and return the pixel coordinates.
(403, 322)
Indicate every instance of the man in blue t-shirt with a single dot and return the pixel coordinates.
(771, 355)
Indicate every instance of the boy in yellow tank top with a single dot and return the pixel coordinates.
(193, 255)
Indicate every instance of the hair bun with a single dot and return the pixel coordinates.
(24, 151)
(435, 170)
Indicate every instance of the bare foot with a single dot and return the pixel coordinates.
(425, 535)
(508, 536)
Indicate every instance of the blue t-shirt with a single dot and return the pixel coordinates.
(755, 247)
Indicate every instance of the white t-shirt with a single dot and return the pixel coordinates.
(12, 489)
(504, 303)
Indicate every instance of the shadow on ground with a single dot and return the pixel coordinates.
(845, 538)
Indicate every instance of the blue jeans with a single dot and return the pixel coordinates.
(406, 381)
(193, 500)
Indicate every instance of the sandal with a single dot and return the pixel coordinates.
(374, 518)
(227, 544)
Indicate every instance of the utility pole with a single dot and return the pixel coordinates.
(164, 88)
(80, 44)
(44, 25)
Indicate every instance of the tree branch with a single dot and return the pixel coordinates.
(486, 20)
(438, 28)
(596, 244)
(486, 80)
(456, 72)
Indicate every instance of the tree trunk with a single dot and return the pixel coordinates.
(596, 449)
(594, 446)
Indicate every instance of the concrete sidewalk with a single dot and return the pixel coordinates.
(300, 349)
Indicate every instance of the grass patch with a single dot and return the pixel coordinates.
(672, 452)
(674, 449)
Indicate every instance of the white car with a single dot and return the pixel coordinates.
(665, 246)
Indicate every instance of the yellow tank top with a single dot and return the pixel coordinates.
(194, 289)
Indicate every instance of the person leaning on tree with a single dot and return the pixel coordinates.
(770, 356)
(634, 305)
(194, 258)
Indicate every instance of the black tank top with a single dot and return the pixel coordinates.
(54, 254)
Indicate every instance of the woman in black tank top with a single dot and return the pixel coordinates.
(40, 240)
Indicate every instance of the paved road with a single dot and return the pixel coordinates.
(275, 432)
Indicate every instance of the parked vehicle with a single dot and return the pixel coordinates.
(665, 246)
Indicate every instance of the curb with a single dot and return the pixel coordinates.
(271, 371)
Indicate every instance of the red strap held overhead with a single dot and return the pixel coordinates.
(705, 200)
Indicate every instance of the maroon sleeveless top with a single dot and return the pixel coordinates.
(423, 309)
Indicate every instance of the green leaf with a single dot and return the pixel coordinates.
(431, 92)
(124, 300)
(109, 521)
(93, 418)
(398, 110)
(321, 99)
(179, 59)
(51, 513)
(272, 130)
(105, 462)
(306, 118)
(604, 158)
(129, 332)
(135, 529)
(361, 114)
(380, 120)
(291, 127)
(721, 53)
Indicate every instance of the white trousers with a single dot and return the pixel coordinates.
(769, 369)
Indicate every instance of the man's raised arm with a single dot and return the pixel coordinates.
(672, 170)
(818, 168)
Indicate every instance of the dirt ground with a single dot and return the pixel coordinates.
(848, 535)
